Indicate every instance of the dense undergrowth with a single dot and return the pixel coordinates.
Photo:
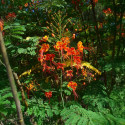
(69, 58)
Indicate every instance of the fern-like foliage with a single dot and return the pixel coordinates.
(14, 30)
(76, 115)
(6, 103)
(114, 104)
(41, 111)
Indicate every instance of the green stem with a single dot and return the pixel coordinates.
(61, 82)
(61, 74)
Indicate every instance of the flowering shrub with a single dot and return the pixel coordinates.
(54, 58)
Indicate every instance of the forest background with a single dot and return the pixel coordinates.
(67, 62)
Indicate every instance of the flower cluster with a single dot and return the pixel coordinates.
(48, 94)
(31, 86)
(44, 48)
(107, 11)
(26, 5)
(43, 58)
(72, 85)
(80, 46)
(45, 38)
(10, 16)
(69, 73)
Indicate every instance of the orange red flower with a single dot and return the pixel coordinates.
(26, 5)
(69, 73)
(80, 46)
(60, 45)
(31, 86)
(10, 16)
(66, 29)
(45, 38)
(44, 48)
(107, 11)
(60, 66)
(72, 85)
(73, 36)
(65, 40)
(84, 72)
(49, 57)
(71, 51)
(53, 35)
(77, 59)
(84, 83)
(48, 94)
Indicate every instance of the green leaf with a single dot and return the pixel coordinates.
(18, 37)
(21, 50)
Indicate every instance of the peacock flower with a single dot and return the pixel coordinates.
(107, 11)
(60, 66)
(71, 51)
(84, 83)
(60, 45)
(31, 86)
(73, 85)
(53, 35)
(26, 5)
(80, 46)
(73, 36)
(69, 73)
(45, 38)
(66, 29)
(65, 40)
(76, 30)
(44, 48)
(49, 57)
(48, 94)
(84, 72)
(77, 59)
(10, 16)
(48, 68)
(41, 58)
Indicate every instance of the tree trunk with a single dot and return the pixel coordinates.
(99, 41)
(11, 80)
(21, 88)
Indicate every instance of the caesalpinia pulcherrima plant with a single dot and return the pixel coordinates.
(59, 59)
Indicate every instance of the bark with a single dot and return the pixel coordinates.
(114, 41)
(97, 31)
(99, 41)
(113, 50)
(120, 37)
(21, 88)
(11, 80)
